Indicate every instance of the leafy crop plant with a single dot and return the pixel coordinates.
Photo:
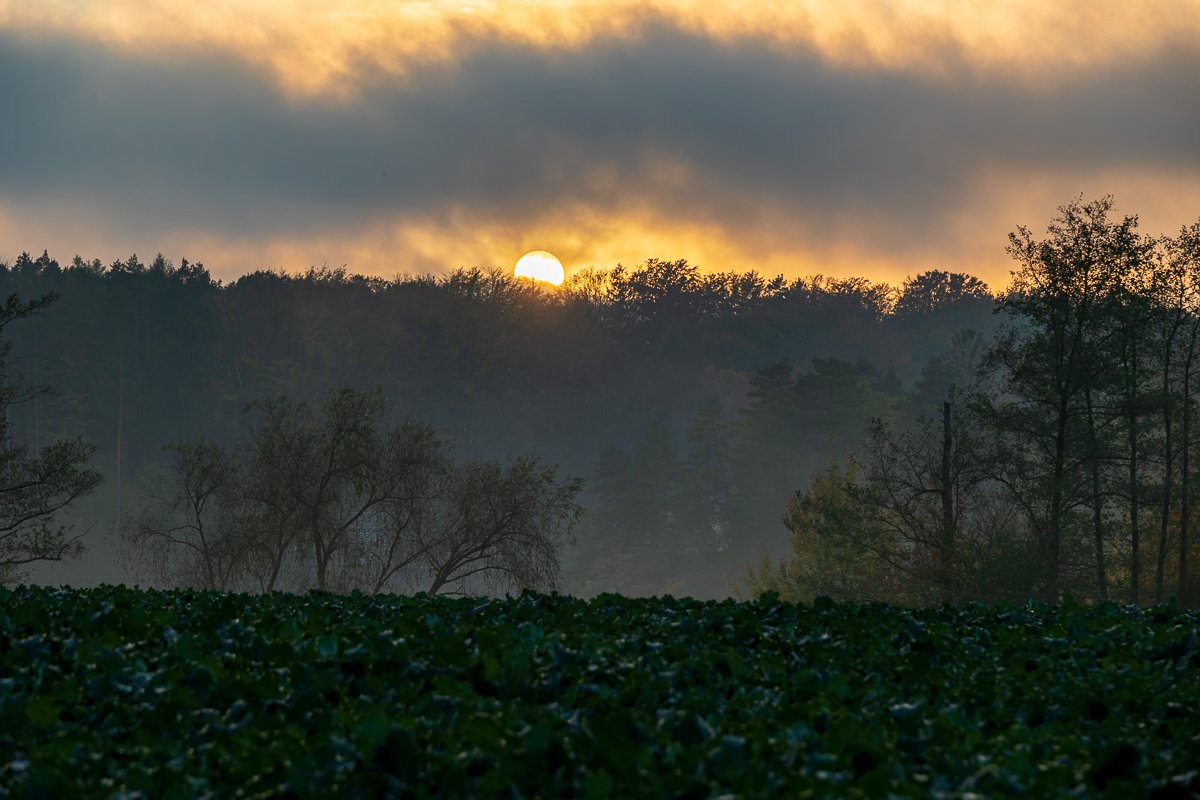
(118, 692)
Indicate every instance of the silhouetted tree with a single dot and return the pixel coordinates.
(391, 543)
(333, 466)
(189, 531)
(707, 479)
(496, 526)
(1183, 256)
(934, 290)
(327, 496)
(1047, 366)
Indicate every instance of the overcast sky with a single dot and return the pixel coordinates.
(416, 136)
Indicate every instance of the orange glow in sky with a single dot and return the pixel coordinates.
(321, 45)
(887, 137)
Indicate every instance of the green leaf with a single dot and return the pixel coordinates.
(42, 711)
(327, 646)
(598, 786)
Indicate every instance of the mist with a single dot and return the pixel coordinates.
(691, 404)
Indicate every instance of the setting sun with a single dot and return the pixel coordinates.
(539, 265)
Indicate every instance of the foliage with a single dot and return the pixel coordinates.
(1092, 401)
(837, 548)
(1050, 371)
(119, 692)
(1066, 464)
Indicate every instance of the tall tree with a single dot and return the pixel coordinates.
(1183, 258)
(1052, 357)
(1173, 293)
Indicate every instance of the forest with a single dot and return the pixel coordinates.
(734, 433)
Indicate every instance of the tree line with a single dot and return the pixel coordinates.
(951, 444)
(1065, 464)
(143, 354)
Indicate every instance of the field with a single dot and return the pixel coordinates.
(129, 693)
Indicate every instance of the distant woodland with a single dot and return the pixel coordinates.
(735, 433)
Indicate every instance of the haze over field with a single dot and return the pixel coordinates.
(878, 139)
(653, 277)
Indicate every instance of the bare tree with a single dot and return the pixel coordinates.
(321, 463)
(414, 462)
(271, 522)
(188, 533)
(929, 490)
(350, 504)
(502, 526)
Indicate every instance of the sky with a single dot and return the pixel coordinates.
(845, 138)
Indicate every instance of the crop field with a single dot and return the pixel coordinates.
(129, 693)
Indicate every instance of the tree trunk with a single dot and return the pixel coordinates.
(37, 417)
(1168, 478)
(1135, 562)
(322, 559)
(949, 523)
(276, 568)
(120, 432)
(210, 571)
(1097, 501)
(1181, 591)
(1054, 526)
(438, 582)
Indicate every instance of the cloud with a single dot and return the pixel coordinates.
(728, 148)
(323, 45)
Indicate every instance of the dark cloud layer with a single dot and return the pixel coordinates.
(704, 131)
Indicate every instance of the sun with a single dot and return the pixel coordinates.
(538, 265)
